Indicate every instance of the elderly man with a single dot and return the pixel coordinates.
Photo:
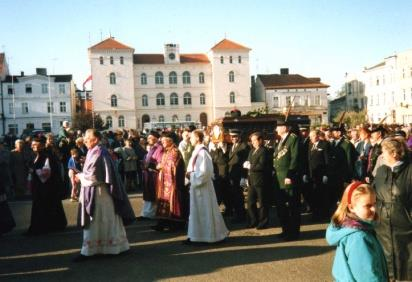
(104, 202)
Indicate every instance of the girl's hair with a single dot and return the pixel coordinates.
(343, 210)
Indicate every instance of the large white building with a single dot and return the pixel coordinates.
(38, 101)
(308, 96)
(388, 88)
(132, 89)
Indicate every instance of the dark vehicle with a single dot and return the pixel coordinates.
(33, 133)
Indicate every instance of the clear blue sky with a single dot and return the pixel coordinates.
(324, 38)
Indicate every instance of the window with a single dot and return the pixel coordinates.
(113, 101)
(186, 77)
(275, 102)
(145, 101)
(101, 60)
(44, 88)
(222, 60)
(10, 90)
(24, 108)
(62, 107)
(231, 76)
(143, 79)
(62, 89)
(112, 78)
(50, 108)
(239, 59)
(30, 125)
(13, 129)
(111, 60)
(172, 78)
(288, 101)
(11, 108)
(121, 121)
(296, 102)
(202, 99)
(230, 59)
(175, 118)
(201, 78)
(46, 126)
(109, 121)
(161, 118)
(160, 99)
(159, 77)
(317, 100)
(28, 88)
(174, 99)
(404, 94)
(306, 101)
(187, 99)
(188, 118)
(232, 98)
(121, 60)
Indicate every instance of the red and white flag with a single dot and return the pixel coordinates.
(87, 80)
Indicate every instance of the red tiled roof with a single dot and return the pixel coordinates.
(159, 58)
(288, 81)
(109, 43)
(226, 44)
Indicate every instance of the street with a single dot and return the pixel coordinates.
(248, 254)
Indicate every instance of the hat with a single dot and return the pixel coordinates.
(338, 127)
(379, 128)
(154, 133)
(283, 123)
(234, 132)
(400, 133)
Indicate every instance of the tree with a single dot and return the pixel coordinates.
(84, 121)
(352, 119)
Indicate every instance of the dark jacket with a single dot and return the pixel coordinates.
(220, 162)
(236, 159)
(260, 171)
(285, 160)
(342, 159)
(394, 207)
(375, 152)
(318, 160)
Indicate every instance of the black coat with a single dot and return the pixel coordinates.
(318, 160)
(219, 159)
(236, 159)
(260, 171)
(394, 207)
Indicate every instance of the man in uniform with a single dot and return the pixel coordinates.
(377, 135)
(285, 162)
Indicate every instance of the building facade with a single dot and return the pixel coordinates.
(388, 88)
(38, 101)
(130, 90)
(308, 96)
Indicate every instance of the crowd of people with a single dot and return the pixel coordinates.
(361, 178)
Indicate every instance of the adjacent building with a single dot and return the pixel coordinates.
(308, 96)
(131, 90)
(38, 101)
(388, 88)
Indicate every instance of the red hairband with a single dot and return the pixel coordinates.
(352, 188)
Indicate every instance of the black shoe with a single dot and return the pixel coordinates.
(80, 258)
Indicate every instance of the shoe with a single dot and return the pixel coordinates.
(261, 226)
(187, 242)
(80, 258)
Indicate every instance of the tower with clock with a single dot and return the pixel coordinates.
(172, 55)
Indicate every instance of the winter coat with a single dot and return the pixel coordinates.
(359, 255)
(394, 207)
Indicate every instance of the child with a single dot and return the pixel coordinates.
(74, 167)
(359, 255)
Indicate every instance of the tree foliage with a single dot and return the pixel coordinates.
(84, 121)
(352, 118)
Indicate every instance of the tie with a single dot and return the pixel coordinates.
(369, 160)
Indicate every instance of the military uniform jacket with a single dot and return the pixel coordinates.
(236, 159)
(285, 160)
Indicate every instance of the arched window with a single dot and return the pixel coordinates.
(230, 59)
(101, 60)
(201, 78)
(187, 99)
(231, 76)
(111, 60)
(222, 60)
(202, 99)
(113, 101)
(175, 118)
(161, 118)
(186, 77)
(188, 118)
(112, 78)
(121, 60)
(232, 97)
(109, 122)
(174, 99)
(143, 79)
(160, 99)
(145, 101)
(172, 78)
(159, 77)
(121, 121)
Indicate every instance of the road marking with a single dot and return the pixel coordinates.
(35, 272)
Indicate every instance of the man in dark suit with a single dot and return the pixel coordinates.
(285, 162)
(238, 153)
(259, 165)
(377, 135)
(316, 175)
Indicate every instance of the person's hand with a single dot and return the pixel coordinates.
(324, 179)
(305, 179)
(288, 181)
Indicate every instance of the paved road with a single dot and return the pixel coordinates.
(248, 255)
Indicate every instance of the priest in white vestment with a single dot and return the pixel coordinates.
(206, 223)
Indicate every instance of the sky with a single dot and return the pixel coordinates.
(314, 38)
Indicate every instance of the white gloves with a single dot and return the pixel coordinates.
(246, 165)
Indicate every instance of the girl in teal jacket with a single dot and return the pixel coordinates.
(359, 255)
